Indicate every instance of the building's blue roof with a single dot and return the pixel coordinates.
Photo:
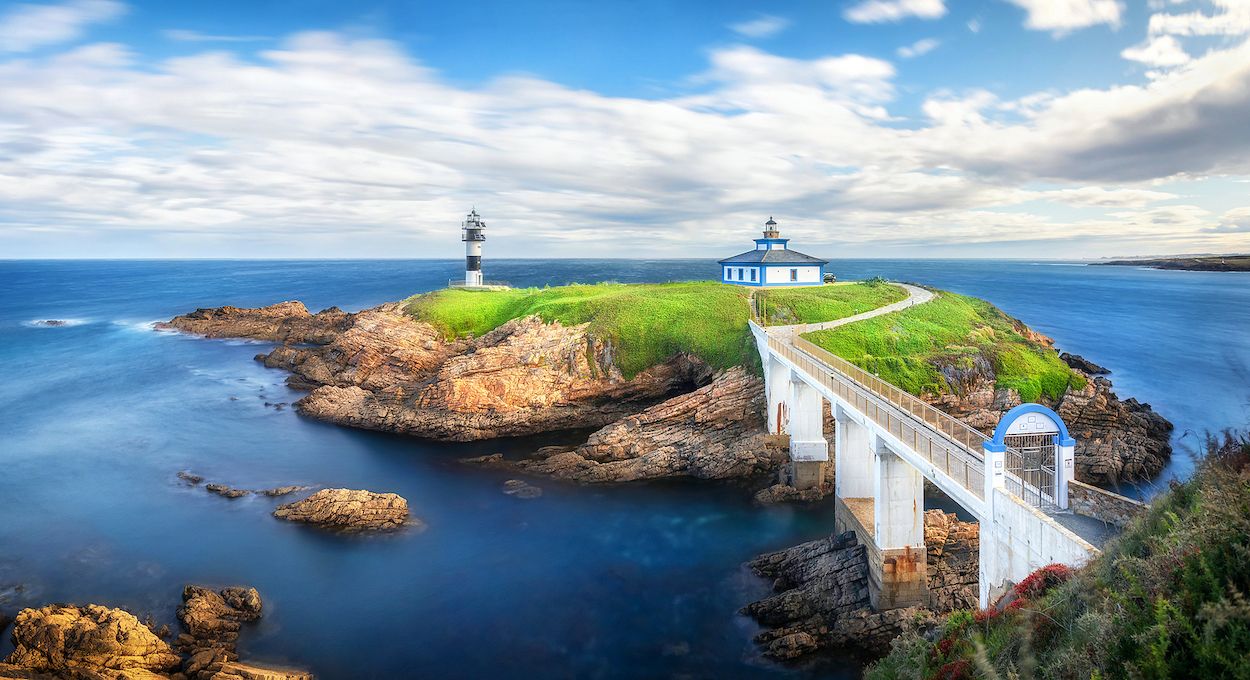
(773, 257)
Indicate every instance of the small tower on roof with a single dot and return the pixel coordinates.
(770, 229)
(472, 233)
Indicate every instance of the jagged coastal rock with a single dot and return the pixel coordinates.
(349, 510)
(714, 432)
(822, 599)
(90, 641)
(381, 369)
(1116, 441)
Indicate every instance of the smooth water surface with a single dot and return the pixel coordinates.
(97, 417)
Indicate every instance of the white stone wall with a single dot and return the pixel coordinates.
(1021, 540)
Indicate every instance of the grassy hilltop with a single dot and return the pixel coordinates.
(649, 323)
(1170, 598)
(918, 348)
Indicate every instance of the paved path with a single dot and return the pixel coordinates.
(915, 296)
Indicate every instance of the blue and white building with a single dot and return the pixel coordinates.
(772, 263)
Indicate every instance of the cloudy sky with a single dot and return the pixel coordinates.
(868, 128)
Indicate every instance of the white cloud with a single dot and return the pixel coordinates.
(182, 35)
(1163, 50)
(918, 48)
(765, 26)
(1106, 198)
(25, 27)
(974, 25)
(1064, 16)
(1233, 19)
(332, 144)
(1236, 220)
(878, 11)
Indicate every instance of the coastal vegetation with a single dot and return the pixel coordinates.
(1169, 598)
(780, 306)
(925, 349)
(647, 323)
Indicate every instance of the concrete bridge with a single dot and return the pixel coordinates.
(888, 443)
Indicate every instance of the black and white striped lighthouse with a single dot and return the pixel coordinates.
(472, 234)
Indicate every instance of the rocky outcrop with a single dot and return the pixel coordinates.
(349, 510)
(90, 641)
(212, 620)
(822, 599)
(283, 322)
(954, 561)
(524, 377)
(381, 369)
(1082, 364)
(1116, 440)
(714, 432)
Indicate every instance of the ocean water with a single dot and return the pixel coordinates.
(97, 417)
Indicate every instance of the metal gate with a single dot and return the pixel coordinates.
(1031, 460)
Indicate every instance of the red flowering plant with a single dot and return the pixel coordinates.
(1036, 584)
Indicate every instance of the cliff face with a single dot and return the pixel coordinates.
(714, 432)
(380, 369)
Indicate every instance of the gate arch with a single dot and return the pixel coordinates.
(1039, 456)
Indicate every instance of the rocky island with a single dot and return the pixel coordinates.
(666, 372)
(668, 379)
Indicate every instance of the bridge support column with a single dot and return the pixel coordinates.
(809, 452)
(853, 457)
(898, 496)
(777, 387)
(995, 553)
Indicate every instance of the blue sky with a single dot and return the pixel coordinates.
(891, 128)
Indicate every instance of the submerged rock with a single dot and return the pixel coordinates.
(282, 490)
(521, 489)
(190, 478)
(349, 510)
(226, 491)
(90, 641)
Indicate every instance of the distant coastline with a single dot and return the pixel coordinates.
(1206, 263)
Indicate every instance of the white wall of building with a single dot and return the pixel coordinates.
(781, 274)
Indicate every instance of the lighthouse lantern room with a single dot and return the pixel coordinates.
(472, 234)
(773, 263)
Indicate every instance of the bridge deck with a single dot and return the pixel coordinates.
(949, 445)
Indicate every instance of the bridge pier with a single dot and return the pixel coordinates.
(899, 532)
(777, 385)
(809, 452)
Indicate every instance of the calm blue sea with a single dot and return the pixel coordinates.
(638, 581)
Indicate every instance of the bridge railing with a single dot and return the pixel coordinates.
(948, 444)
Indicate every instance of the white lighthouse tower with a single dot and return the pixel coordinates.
(471, 234)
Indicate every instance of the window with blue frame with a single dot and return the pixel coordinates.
(753, 273)
(794, 275)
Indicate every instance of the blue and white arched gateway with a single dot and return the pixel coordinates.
(772, 263)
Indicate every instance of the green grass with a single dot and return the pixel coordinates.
(826, 303)
(955, 332)
(647, 323)
(1170, 598)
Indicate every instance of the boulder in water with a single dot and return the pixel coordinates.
(88, 642)
(349, 510)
